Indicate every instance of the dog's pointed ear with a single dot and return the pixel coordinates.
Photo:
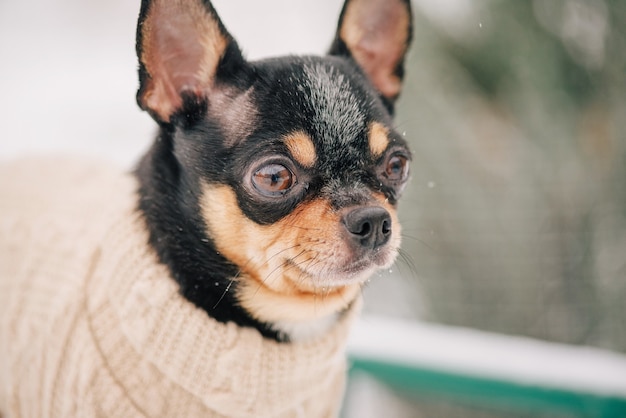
(376, 34)
(181, 45)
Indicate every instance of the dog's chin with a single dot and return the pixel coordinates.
(331, 274)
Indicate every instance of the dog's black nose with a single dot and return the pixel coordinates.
(369, 226)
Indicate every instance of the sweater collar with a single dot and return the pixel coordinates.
(140, 322)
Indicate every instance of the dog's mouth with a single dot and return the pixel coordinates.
(331, 272)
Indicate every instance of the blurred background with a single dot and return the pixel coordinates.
(515, 219)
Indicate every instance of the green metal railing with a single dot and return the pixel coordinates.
(495, 394)
(592, 382)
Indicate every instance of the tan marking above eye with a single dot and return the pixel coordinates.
(301, 147)
(378, 139)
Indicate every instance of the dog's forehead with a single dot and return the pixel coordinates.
(328, 98)
(337, 107)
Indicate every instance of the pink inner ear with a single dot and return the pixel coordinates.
(173, 68)
(379, 66)
(376, 32)
(182, 45)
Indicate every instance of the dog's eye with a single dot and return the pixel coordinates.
(397, 168)
(273, 179)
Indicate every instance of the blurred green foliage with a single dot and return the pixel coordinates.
(515, 220)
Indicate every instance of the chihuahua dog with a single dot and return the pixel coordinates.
(221, 277)
(271, 190)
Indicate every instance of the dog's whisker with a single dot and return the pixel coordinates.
(408, 261)
(418, 240)
(230, 283)
(288, 261)
(303, 228)
(280, 266)
(264, 261)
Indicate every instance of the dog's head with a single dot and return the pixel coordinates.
(292, 165)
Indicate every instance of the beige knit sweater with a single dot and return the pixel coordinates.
(91, 325)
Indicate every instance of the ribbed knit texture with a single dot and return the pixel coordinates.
(91, 325)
